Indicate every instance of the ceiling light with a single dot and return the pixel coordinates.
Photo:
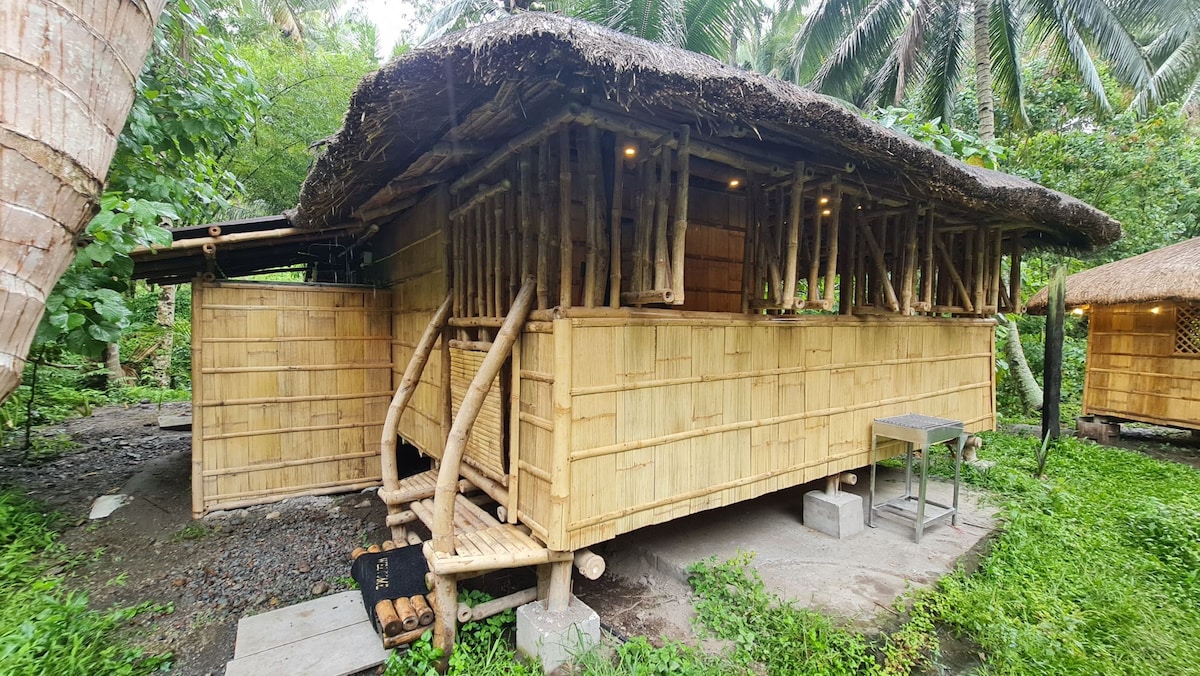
(733, 182)
(630, 151)
(826, 212)
(823, 200)
(1077, 312)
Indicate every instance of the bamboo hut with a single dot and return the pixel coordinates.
(622, 283)
(1143, 350)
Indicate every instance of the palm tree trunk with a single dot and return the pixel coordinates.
(115, 376)
(983, 73)
(56, 141)
(1018, 367)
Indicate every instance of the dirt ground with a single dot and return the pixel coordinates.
(207, 574)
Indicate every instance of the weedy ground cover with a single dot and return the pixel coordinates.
(45, 629)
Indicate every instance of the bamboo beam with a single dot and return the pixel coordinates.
(543, 234)
(378, 202)
(795, 218)
(835, 223)
(408, 385)
(485, 193)
(564, 216)
(652, 296)
(679, 232)
(468, 411)
(662, 265)
(618, 208)
(526, 139)
(948, 266)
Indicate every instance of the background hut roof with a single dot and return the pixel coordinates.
(488, 82)
(1171, 273)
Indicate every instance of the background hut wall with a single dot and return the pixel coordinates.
(1137, 366)
(668, 417)
(290, 387)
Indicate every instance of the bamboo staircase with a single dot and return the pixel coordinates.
(466, 539)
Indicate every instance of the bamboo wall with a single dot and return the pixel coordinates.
(667, 418)
(290, 387)
(1139, 368)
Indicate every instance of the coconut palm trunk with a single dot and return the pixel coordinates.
(983, 73)
(68, 70)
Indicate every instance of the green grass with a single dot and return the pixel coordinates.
(45, 629)
(1095, 569)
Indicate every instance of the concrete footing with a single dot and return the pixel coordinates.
(556, 638)
(839, 515)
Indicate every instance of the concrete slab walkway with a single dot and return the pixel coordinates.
(854, 579)
(329, 636)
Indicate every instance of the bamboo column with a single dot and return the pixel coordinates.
(614, 247)
(979, 267)
(498, 284)
(543, 235)
(564, 216)
(662, 265)
(642, 206)
(749, 249)
(489, 270)
(588, 160)
(997, 254)
(480, 262)
(908, 280)
(408, 385)
(679, 232)
(454, 232)
(928, 273)
(835, 221)
(956, 279)
(1014, 274)
(512, 225)
(795, 217)
(524, 204)
(814, 264)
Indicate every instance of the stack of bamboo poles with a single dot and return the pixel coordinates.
(402, 620)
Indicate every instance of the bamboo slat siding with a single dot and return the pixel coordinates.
(289, 391)
(484, 449)
(668, 419)
(1134, 370)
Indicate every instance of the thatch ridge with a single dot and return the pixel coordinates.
(1171, 273)
(390, 121)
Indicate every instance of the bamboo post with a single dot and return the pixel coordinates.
(643, 205)
(564, 216)
(498, 256)
(795, 217)
(543, 234)
(408, 385)
(835, 222)
(445, 620)
(927, 271)
(679, 232)
(908, 281)
(860, 261)
(997, 255)
(512, 224)
(881, 270)
(1014, 275)
(514, 433)
(525, 207)
(454, 232)
(749, 269)
(489, 269)
(948, 267)
(559, 596)
(588, 159)
(481, 307)
(814, 264)
(979, 269)
(662, 265)
(468, 411)
(618, 208)
(198, 300)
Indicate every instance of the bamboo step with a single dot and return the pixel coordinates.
(417, 487)
(492, 548)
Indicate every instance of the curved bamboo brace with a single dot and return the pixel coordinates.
(408, 385)
(468, 411)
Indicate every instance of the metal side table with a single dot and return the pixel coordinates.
(923, 431)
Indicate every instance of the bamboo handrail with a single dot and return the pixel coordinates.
(468, 411)
(404, 393)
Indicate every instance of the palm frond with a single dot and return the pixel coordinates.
(710, 24)
(1178, 72)
(1103, 29)
(948, 43)
(872, 35)
(820, 31)
(457, 14)
(1049, 25)
(1006, 60)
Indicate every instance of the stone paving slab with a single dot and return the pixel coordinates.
(328, 636)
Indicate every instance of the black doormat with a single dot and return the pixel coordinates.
(389, 575)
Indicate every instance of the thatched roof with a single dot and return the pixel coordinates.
(1171, 273)
(489, 82)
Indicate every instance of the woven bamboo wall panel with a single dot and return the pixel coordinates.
(536, 431)
(290, 389)
(1133, 370)
(671, 419)
(485, 449)
(414, 267)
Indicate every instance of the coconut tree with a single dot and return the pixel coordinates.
(64, 106)
(879, 51)
(1174, 49)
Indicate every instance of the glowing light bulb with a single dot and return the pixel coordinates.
(630, 151)
(1077, 311)
(733, 182)
(823, 200)
(826, 212)
(1155, 310)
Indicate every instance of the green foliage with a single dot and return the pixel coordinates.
(482, 648)
(1143, 172)
(1033, 340)
(957, 143)
(45, 629)
(307, 89)
(1094, 569)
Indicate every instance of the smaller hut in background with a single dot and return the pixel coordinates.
(1143, 354)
